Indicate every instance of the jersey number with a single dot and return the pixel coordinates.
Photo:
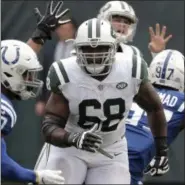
(159, 72)
(113, 112)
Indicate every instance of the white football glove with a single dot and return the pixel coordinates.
(158, 166)
(49, 177)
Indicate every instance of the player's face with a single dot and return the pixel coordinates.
(120, 24)
(95, 55)
(29, 77)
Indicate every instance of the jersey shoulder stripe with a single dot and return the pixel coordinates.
(136, 51)
(57, 76)
(139, 68)
(9, 107)
(8, 117)
(62, 71)
(134, 66)
(144, 70)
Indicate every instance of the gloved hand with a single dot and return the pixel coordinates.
(159, 164)
(47, 23)
(86, 140)
(49, 177)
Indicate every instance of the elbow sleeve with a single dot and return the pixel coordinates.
(53, 130)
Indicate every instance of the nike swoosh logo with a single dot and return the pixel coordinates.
(116, 154)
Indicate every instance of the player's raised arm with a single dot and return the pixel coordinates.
(54, 16)
(148, 99)
(158, 39)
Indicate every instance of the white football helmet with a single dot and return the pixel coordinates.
(95, 46)
(19, 69)
(167, 69)
(123, 9)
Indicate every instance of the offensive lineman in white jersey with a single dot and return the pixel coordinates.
(91, 94)
(124, 21)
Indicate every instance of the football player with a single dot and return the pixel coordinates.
(91, 94)
(124, 21)
(19, 70)
(167, 76)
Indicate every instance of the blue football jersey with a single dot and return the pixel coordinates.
(8, 115)
(138, 133)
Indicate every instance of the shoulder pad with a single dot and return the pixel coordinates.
(56, 77)
(8, 117)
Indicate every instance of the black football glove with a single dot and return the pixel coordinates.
(159, 164)
(54, 16)
(86, 140)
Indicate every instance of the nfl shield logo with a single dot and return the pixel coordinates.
(100, 87)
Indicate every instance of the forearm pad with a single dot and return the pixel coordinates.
(53, 131)
(161, 146)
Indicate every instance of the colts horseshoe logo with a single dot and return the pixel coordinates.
(4, 57)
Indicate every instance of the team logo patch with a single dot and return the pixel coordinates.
(121, 85)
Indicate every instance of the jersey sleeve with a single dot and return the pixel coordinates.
(8, 117)
(139, 72)
(56, 77)
(139, 69)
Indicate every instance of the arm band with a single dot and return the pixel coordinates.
(53, 130)
(161, 146)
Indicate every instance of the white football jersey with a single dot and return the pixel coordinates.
(105, 102)
(129, 49)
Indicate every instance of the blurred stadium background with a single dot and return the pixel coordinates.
(18, 22)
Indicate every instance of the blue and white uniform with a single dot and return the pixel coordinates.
(139, 137)
(8, 115)
(10, 170)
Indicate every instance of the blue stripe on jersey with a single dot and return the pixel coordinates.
(166, 64)
(10, 109)
(8, 115)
